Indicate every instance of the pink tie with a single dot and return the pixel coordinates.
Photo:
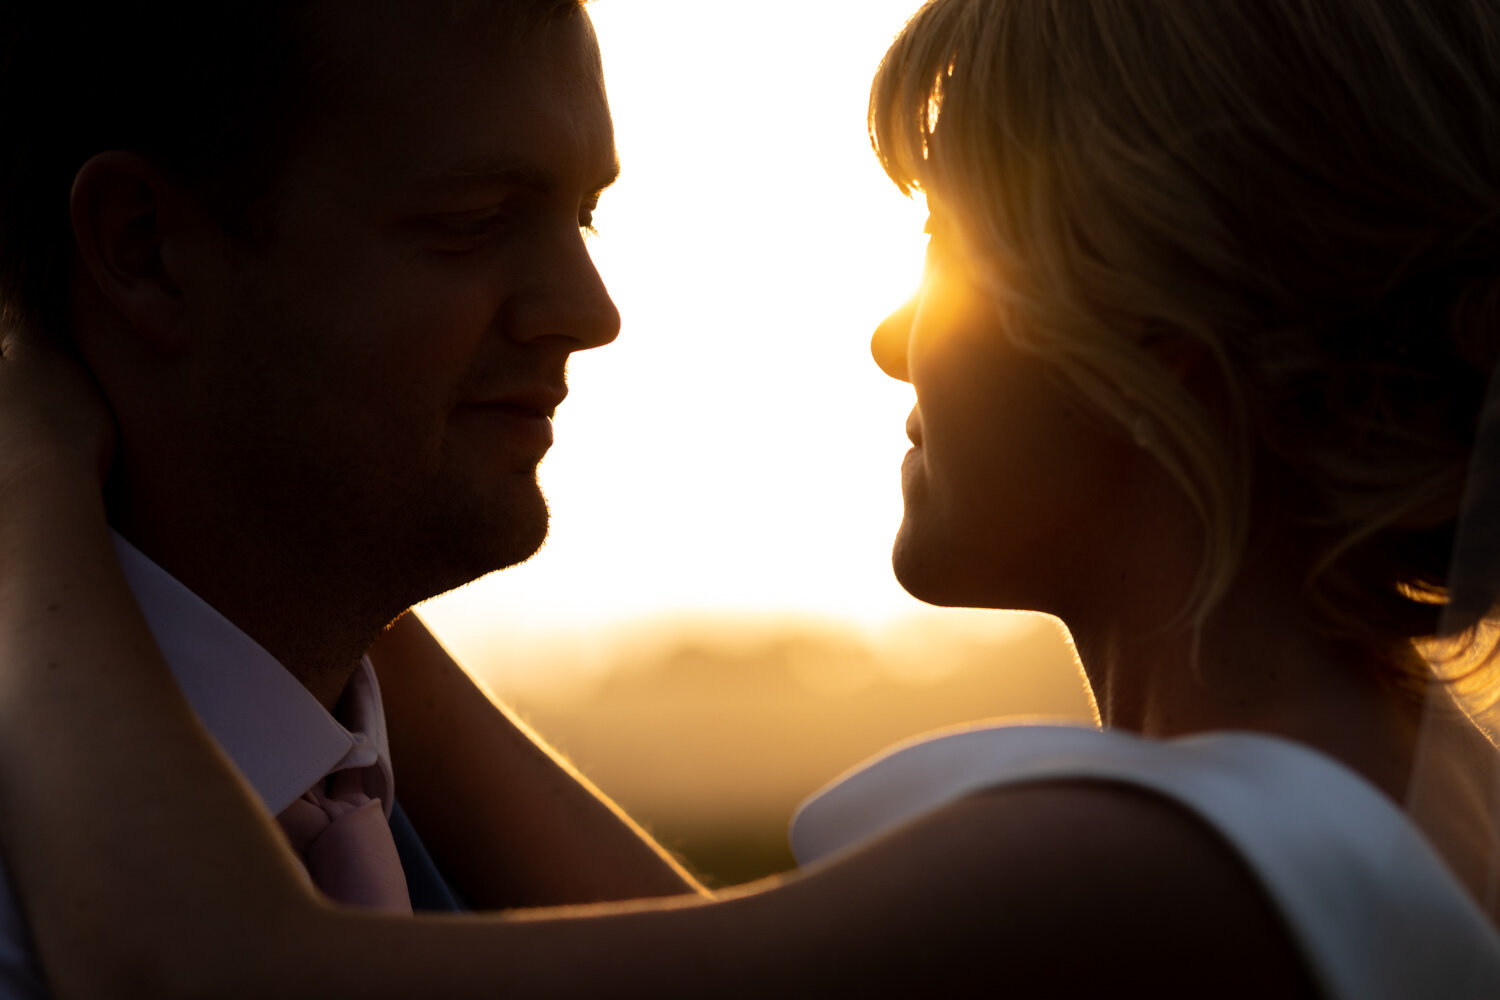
(344, 840)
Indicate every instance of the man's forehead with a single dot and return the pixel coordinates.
(365, 42)
(338, 19)
(361, 51)
(443, 104)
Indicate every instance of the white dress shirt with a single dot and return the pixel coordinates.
(277, 733)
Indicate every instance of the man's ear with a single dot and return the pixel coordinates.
(125, 212)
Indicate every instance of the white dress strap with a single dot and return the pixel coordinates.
(1375, 910)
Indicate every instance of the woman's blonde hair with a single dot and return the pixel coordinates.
(1306, 190)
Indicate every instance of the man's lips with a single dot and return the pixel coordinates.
(521, 417)
(539, 402)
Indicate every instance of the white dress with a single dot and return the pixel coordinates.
(1375, 911)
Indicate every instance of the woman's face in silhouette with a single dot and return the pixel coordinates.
(1009, 484)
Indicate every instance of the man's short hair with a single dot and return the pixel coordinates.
(214, 92)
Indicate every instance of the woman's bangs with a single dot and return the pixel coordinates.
(913, 88)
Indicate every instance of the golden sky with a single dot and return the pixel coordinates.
(736, 451)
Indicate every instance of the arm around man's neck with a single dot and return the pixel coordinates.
(505, 816)
(79, 670)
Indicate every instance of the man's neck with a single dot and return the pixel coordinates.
(289, 614)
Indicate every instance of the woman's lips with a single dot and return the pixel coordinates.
(914, 429)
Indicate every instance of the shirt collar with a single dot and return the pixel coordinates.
(274, 730)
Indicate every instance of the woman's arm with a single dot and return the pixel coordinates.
(95, 736)
(505, 815)
(88, 715)
(148, 868)
(159, 875)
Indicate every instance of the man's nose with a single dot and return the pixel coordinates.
(568, 300)
(888, 345)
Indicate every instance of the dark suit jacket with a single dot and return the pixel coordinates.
(428, 889)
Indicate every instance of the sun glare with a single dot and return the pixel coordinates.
(736, 450)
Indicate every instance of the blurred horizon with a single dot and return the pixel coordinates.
(710, 731)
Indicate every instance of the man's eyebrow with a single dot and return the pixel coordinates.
(510, 174)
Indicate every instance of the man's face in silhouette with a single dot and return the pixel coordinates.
(379, 370)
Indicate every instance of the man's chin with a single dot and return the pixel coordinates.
(518, 550)
(475, 540)
(504, 546)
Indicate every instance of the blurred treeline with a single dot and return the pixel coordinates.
(711, 732)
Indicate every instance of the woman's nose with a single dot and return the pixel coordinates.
(889, 343)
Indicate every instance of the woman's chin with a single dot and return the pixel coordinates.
(951, 576)
(925, 575)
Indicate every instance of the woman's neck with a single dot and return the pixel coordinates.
(1257, 663)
